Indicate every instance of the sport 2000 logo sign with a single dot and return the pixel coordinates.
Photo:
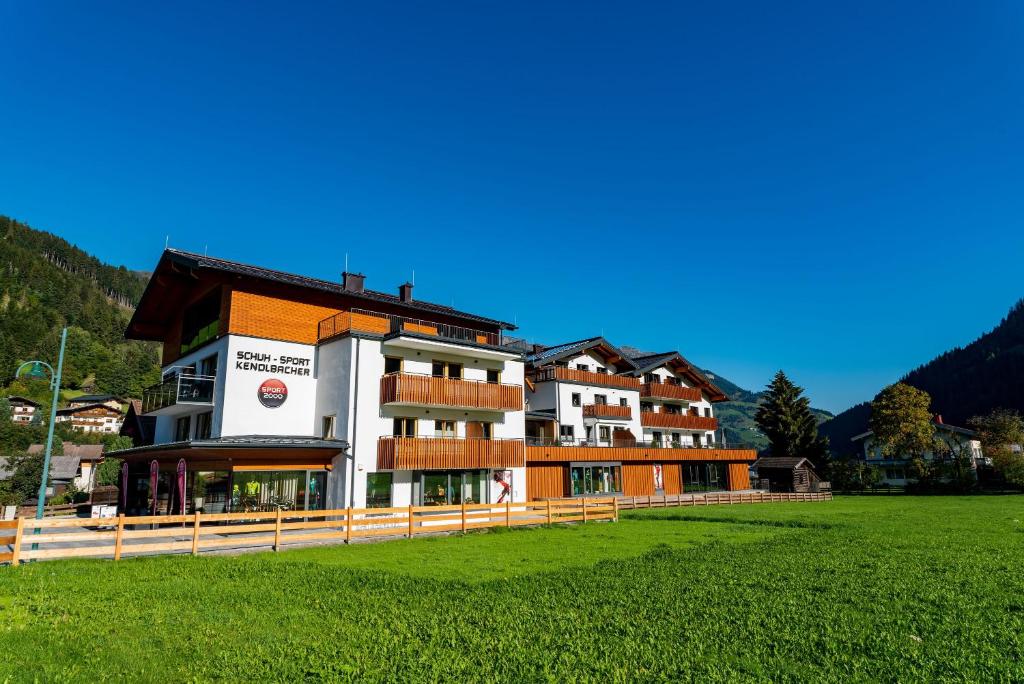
(272, 393)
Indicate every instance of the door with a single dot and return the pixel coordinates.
(475, 430)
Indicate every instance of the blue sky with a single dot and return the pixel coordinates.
(832, 191)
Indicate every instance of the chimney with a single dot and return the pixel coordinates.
(405, 292)
(538, 348)
(938, 419)
(352, 282)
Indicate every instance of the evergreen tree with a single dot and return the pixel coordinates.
(786, 420)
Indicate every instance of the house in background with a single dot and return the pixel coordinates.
(92, 418)
(77, 465)
(108, 400)
(788, 474)
(23, 409)
(896, 469)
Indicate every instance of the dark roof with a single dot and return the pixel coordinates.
(648, 362)
(26, 400)
(202, 261)
(91, 452)
(61, 468)
(788, 463)
(94, 398)
(240, 441)
(559, 351)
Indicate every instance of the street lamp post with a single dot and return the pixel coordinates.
(55, 385)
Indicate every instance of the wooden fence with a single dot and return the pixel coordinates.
(717, 498)
(126, 536)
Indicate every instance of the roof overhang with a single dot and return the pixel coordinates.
(675, 362)
(244, 448)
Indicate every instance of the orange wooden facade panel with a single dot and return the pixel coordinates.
(606, 411)
(546, 482)
(675, 420)
(273, 318)
(661, 390)
(440, 453)
(673, 478)
(555, 454)
(637, 479)
(739, 476)
(407, 388)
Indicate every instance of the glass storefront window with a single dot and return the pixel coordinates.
(704, 477)
(451, 487)
(289, 490)
(378, 490)
(596, 479)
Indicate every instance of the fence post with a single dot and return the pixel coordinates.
(508, 514)
(277, 530)
(195, 534)
(584, 510)
(19, 531)
(348, 525)
(615, 505)
(119, 536)
(463, 517)
(410, 521)
(549, 511)
(633, 503)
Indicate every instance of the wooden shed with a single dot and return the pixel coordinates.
(787, 474)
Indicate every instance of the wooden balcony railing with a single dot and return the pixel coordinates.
(606, 411)
(660, 390)
(427, 390)
(443, 453)
(382, 324)
(586, 377)
(675, 420)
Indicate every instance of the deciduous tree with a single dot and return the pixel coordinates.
(901, 421)
(1001, 433)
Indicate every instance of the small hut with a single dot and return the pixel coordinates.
(788, 474)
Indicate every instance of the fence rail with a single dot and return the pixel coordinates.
(717, 498)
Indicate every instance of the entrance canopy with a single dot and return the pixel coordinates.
(229, 453)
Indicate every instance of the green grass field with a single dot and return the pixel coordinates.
(861, 589)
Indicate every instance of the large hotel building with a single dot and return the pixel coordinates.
(281, 390)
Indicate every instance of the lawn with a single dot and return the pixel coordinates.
(886, 588)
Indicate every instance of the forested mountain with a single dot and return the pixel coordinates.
(45, 283)
(736, 416)
(964, 382)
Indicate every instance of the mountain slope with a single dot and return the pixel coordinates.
(736, 416)
(963, 382)
(46, 283)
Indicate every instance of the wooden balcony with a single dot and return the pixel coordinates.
(659, 390)
(444, 453)
(607, 411)
(675, 420)
(361, 320)
(426, 390)
(586, 377)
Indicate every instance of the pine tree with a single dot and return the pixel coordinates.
(785, 418)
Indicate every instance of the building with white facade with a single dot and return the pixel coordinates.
(895, 468)
(23, 409)
(92, 418)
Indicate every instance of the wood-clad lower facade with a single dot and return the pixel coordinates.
(564, 471)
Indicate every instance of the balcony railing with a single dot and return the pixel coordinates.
(676, 420)
(630, 444)
(660, 390)
(362, 320)
(586, 377)
(606, 411)
(428, 390)
(444, 453)
(179, 389)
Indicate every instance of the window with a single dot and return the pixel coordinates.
(656, 438)
(204, 425)
(444, 488)
(446, 369)
(707, 411)
(601, 399)
(392, 364)
(404, 427)
(646, 407)
(583, 366)
(493, 376)
(623, 402)
(696, 439)
(677, 439)
(327, 429)
(566, 431)
(182, 429)
(650, 378)
(444, 428)
(378, 490)
(604, 433)
(596, 479)
(201, 322)
(576, 399)
(602, 369)
(704, 477)
(301, 490)
(208, 366)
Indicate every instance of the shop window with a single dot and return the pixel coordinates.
(200, 322)
(704, 477)
(378, 490)
(451, 488)
(392, 364)
(577, 400)
(328, 426)
(404, 427)
(588, 480)
(493, 376)
(287, 490)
